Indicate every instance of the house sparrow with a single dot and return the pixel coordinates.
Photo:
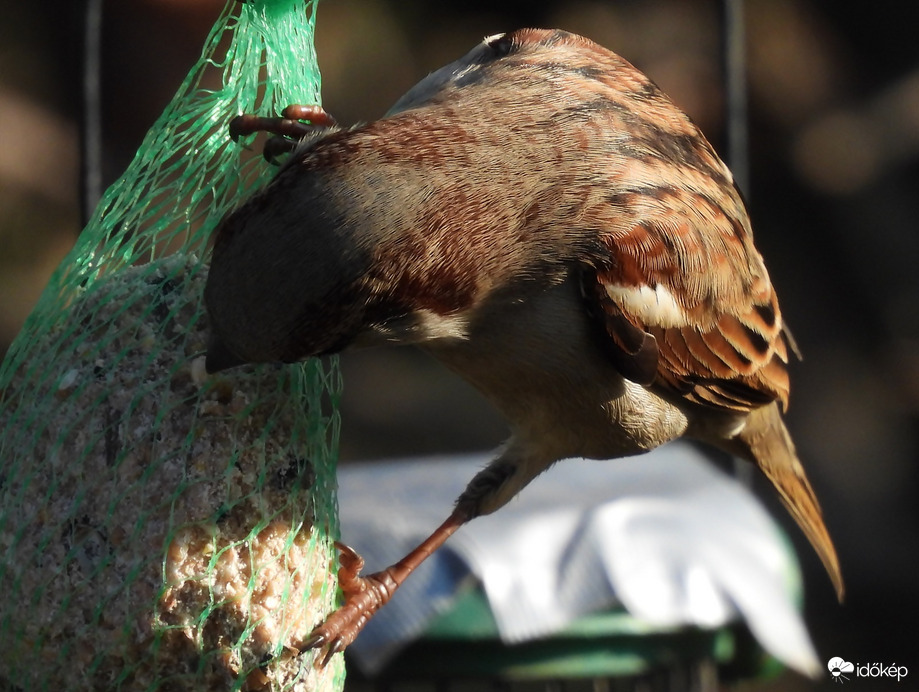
(544, 221)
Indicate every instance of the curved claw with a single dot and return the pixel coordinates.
(275, 147)
(349, 570)
(334, 648)
(314, 641)
(317, 641)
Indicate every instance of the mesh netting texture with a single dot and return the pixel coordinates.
(162, 529)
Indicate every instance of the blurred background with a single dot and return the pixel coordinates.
(834, 195)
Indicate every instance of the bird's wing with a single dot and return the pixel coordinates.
(684, 301)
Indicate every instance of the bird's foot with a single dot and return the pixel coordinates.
(288, 130)
(363, 596)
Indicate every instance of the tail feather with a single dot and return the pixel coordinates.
(765, 441)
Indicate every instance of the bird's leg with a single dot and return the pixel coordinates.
(364, 596)
(288, 130)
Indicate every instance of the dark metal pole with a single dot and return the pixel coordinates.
(736, 136)
(91, 125)
(734, 67)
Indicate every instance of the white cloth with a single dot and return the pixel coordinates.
(665, 534)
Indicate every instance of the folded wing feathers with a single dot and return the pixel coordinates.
(717, 345)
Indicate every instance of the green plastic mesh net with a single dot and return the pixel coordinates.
(161, 529)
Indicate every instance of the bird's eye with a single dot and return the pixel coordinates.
(500, 45)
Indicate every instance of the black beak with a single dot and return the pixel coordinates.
(219, 357)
